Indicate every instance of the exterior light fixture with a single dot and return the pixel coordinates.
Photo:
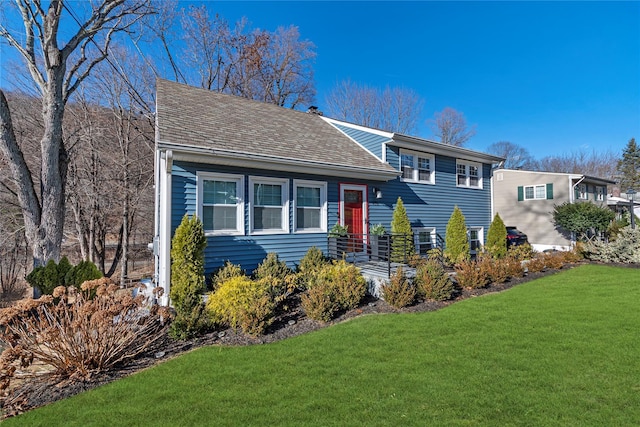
(377, 192)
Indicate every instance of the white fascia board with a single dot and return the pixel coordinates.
(248, 160)
(359, 127)
(424, 145)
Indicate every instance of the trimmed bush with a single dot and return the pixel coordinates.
(240, 302)
(399, 291)
(496, 269)
(456, 241)
(187, 278)
(224, 273)
(402, 246)
(497, 238)
(337, 286)
(470, 275)
(433, 281)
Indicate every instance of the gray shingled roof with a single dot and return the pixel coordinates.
(206, 120)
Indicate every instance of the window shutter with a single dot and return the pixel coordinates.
(549, 191)
(520, 193)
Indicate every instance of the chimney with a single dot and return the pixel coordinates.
(314, 110)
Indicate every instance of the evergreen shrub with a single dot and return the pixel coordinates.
(187, 278)
(456, 241)
(497, 238)
(433, 281)
(471, 275)
(402, 246)
(224, 273)
(625, 249)
(84, 271)
(399, 291)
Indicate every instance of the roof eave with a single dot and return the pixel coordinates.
(193, 154)
(414, 143)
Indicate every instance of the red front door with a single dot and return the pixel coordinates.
(354, 206)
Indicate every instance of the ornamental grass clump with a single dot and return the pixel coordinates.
(78, 336)
(399, 291)
(434, 282)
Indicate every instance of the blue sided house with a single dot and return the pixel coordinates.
(263, 179)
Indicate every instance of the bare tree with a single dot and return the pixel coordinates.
(597, 164)
(517, 157)
(273, 67)
(57, 69)
(393, 109)
(451, 127)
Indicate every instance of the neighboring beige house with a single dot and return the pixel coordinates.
(526, 200)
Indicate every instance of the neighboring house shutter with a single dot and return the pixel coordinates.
(549, 191)
(520, 193)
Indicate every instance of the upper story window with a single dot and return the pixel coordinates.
(469, 174)
(221, 203)
(310, 209)
(269, 205)
(417, 167)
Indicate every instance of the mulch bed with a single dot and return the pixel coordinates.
(44, 390)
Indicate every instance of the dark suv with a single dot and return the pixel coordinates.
(516, 237)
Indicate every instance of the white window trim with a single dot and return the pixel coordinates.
(480, 231)
(416, 172)
(583, 195)
(600, 192)
(430, 230)
(467, 172)
(534, 192)
(210, 176)
(323, 205)
(285, 204)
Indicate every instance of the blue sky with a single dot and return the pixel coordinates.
(554, 77)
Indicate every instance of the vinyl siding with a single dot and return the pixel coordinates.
(370, 141)
(248, 250)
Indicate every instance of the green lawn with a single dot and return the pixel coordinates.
(563, 350)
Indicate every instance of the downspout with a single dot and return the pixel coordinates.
(572, 199)
(164, 247)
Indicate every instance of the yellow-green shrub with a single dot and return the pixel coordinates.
(336, 286)
(226, 272)
(242, 302)
(433, 281)
(399, 291)
(521, 252)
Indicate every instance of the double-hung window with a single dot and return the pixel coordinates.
(469, 174)
(269, 205)
(582, 191)
(600, 191)
(425, 240)
(535, 192)
(310, 209)
(475, 239)
(417, 167)
(221, 203)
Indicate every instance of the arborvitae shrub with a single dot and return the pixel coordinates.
(84, 271)
(399, 291)
(402, 246)
(240, 302)
(187, 278)
(497, 238)
(470, 275)
(434, 282)
(224, 273)
(456, 241)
